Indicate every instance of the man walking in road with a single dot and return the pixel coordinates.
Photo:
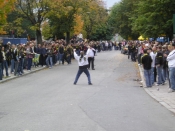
(83, 64)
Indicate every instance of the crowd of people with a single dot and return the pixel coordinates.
(23, 56)
(158, 61)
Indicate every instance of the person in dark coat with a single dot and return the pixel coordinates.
(1, 60)
(146, 62)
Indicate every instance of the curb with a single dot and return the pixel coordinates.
(27, 73)
(152, 95)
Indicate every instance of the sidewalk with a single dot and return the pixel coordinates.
(33, 70)
(160, 93)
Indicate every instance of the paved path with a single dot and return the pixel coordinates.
(160, 93)
(48, 100)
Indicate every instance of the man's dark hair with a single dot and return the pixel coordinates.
(145, 51)
(173, 44)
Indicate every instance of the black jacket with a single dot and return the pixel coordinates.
(146, 61)
(61, 50)
(159, 58)
(1, 57)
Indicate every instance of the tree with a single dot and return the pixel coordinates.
(119, 18)
(5, 7)
(94, 16)
(33, 11)
(62, 15)
(46, 31)
(18, 25)
(153, 18)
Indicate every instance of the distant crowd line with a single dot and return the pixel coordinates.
(24, 56)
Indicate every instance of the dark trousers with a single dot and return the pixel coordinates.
(139, 58)
(91, 62)
(42, 60)
(16, 67)
(0, 71)
(64, 59)
(80, 71)
(5, 66)
(155, 74)
(133, 57)
(29, 63)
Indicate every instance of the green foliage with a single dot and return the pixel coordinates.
(102, 32)
(119, 18)
(150, 18)
(19, 25)
(153, 18)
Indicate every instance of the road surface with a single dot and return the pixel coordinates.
(48, 101)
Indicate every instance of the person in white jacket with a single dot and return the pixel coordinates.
(91, 54)
(171, 65)
(153, 54)
(83, 65)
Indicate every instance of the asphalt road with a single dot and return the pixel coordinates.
(48, 100)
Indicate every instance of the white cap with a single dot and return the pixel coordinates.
(9, 42)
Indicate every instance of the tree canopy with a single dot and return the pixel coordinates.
(150, 18)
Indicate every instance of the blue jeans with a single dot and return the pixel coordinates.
(12, 65)
(172, 77)
(60, 57)
(80, 71)
(133, 58)
(69, 59)
(20, 66)
(5, 65)
(29, 63)
(160, 75)
(152, 75)
(165, 73)
(147, 74)
(16, 68)
(49, 59)
(0, 71)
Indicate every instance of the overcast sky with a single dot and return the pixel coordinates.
(110, 3)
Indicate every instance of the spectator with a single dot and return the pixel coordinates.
(5, 64)
(12, 57)
(139, 54)
(30, 55)
(49, 60)
(1, 61)
(16, 59)
(153, 54)
(159, 66)
(146, 61)
(171, 65)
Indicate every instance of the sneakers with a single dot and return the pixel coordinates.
(74, 83)
(157, 84)
(163, 83)
(90, 83)
(171, 90)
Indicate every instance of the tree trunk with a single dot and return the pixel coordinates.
(67, 37)
(38, 36)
